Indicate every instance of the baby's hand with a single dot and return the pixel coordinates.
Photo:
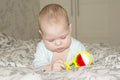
(58, 65)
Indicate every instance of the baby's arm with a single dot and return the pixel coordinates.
(41, 60)
(56, 66)
(41, 57)
(46, 67)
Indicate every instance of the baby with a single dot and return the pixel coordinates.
(57, 46)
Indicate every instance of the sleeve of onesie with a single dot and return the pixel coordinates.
(40, 57)
(80, 46)
(76, 47)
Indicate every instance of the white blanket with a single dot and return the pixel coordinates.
(16, 57)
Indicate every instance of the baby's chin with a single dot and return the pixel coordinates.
(58, 51)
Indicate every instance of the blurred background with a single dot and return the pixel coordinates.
(93, 21)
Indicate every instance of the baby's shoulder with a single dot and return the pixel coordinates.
(41, 45)
(76, 42)
(76, 45)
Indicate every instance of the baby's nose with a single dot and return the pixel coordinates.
(58, 42)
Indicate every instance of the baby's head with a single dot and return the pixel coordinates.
(55, 28)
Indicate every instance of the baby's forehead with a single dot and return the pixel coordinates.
(53, 34)
(53, 22)
(54, 26)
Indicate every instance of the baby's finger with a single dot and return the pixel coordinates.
(61, 63)
(63, 66)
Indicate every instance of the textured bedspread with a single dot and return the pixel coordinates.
(87, 73)
(16, 57)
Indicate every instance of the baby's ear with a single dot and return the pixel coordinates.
(40, 32)
(70, 26)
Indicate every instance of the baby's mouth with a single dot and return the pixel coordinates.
(60, 49)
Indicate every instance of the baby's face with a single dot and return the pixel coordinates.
(57, 37)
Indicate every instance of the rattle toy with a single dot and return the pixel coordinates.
(82, 58)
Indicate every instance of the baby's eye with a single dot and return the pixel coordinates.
(50, 40)
(63, 37)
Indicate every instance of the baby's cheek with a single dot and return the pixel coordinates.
(49, 45)
(67, 43)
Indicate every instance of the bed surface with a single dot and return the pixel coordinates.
(16, 57)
